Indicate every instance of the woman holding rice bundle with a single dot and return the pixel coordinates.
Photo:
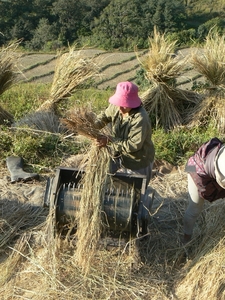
(206, 181)
(131, 131)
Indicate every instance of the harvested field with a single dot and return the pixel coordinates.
(39, 70)
(115, 67)
(31, 60)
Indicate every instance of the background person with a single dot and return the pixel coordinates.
(131, 131)
(206, 181)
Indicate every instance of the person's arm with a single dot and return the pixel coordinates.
(105, 117)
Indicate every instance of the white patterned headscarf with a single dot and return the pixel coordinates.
(220, 167)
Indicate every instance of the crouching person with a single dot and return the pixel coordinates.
(206, 181)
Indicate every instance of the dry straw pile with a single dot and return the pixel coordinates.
(210, 63)
(36, 264)
(163, 101)
(17, 223)
(204, 276)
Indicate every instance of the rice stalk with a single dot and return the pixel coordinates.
(211, 64)
(71, 71)
(38, 276)
(9, 75)
(205, 280)
(81, 121)
(90, 209)
(160, 104)
(45, 121)
(211, 61)
(17, 217)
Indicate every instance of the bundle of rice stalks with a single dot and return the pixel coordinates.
(9, 70)
(81, 121)
(211, 61)
(72, 70)
(46, 121)
(163, 101)
(211, 111)
(161, 64)
(9, 75)
(169, 107)
(204, 276)
(211, 64)
(89, 224)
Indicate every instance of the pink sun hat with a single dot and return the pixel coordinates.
(126, 95)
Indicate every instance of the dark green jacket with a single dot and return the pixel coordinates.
(131, 136)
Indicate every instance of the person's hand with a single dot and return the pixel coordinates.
(102, 141)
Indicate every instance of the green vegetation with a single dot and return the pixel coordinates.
(178, 145)
(42, 149)
(48, 25)
(23, 98)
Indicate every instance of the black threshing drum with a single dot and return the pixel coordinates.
(125, 207)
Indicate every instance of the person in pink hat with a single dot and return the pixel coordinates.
(131, 131)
